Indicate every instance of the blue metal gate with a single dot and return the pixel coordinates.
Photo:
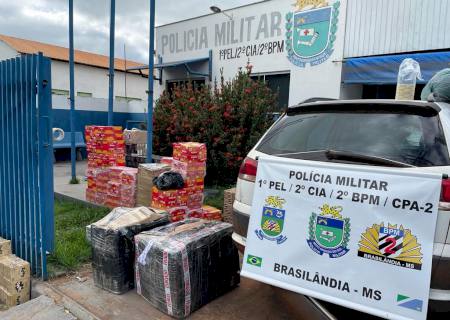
(26, 159)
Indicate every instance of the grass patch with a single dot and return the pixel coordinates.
(71, 247)
(71, 218)
(216, 199)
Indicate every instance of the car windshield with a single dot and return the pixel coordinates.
(412, 139)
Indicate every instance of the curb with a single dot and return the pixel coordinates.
(65, 197)
(61, 299)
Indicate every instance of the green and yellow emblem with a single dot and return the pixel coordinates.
(272, 220)
(329, 232)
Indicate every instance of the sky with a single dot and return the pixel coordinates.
(47, 21)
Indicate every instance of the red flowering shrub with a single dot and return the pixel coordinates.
(230, 118)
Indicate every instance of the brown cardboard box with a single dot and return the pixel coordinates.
(146, 173)
(13, 269)
(14, 298)
(5, 247)
(228, 199)
(14, 280)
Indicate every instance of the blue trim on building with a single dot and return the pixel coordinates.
(384, 69)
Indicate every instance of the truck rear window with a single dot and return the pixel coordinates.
(413, 139)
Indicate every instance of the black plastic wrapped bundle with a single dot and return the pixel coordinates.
(184, 265)
(113, 247)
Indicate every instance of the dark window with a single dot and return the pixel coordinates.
(386, 91)
(171, 84)
(279, 84)
(412, 139)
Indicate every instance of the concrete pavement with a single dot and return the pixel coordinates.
(41, 308)
(251, 300)
(61, 178)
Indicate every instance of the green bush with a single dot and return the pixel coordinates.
(229, 118)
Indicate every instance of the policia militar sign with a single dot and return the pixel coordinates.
(357, 236)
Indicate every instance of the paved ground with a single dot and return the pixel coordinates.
(251, 300)
(62, 175)
(41, 308)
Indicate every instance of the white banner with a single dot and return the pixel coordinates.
(357, 236)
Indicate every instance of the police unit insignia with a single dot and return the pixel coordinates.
(392, 245)
(329, 232)
(311, 31)
(272, 220)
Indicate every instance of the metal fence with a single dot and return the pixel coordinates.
(26, 159)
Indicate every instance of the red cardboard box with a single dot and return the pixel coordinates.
(189, 152)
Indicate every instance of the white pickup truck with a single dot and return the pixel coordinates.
(411, 135)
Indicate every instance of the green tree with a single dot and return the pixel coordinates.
(229, 118)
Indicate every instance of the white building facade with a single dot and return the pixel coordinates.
(91, 84)
(312, 48)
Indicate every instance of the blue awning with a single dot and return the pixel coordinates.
(384, 69)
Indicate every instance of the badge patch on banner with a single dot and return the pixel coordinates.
(329, 232)
(392, 245)
(272, 220)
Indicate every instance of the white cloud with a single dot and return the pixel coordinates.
(47, 21)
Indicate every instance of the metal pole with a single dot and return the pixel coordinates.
(72, 95)
(151, 63)
(111, 63)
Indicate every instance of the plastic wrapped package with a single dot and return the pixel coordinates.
(184, 265)
(408, 74)
(113, 247)
(438, 88)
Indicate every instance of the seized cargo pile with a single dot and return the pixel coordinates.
(14, 277)
(113, 247)
(184, 265)
(189, 160)
(109, 182)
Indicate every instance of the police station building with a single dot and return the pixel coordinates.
(344, 49)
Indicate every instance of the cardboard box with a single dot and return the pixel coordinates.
(14, 280)
(5, 247)
(13, 269)
(11, 299)
(135, 136)
(146, 173)
(189, 152)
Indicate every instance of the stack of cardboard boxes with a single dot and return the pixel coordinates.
(14, 277)
(106, 148)
(189, 159)
(121, 187)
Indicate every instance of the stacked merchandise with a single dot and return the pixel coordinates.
(113, 247)
(112, 187)
(121, 187)
(228, 199)
(206, 212)
(146, 173)
(189, 159)
(135, 147)
(185, 265)
(105, 146)
(14, 277)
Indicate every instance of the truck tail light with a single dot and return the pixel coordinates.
(445, 190)
(249, 167)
